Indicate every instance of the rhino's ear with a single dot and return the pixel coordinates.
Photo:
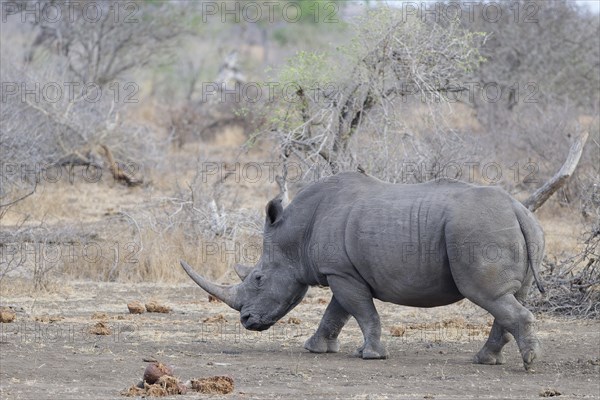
(274, 211)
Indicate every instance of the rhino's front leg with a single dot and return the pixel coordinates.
(355, 297)
(325, 338)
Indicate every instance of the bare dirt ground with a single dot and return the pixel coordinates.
(430, 359)
(48, 352)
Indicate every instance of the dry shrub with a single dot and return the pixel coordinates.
(573, 284)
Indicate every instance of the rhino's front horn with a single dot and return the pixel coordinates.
(227, 294)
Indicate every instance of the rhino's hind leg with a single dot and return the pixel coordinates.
(325, 339)
(491, 353)
(511, 315)
(355, 297)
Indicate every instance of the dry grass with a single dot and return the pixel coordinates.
(147, 248)
(104, 231)
(143, 232)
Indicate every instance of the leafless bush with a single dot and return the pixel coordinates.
(40, 134)
(530, 69)
(102, 42)
(35, 251)
(573, 284)
(207, 208)
(203, 118)
(363, 91)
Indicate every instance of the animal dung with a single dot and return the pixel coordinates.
(294, 320)
(7, 315)
(48, 318)
(212, 385)
(100, 329)
(213, 299)
(397, 331)
(215, 319)
(99, 315)
(550, 393)
(156, 370)
(154, 307)
(158, 381)
(136, 307)
(165, 386)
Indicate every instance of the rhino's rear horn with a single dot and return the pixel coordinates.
(242, 270)
(227, 294)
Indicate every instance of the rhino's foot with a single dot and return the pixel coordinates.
(377, 352)
(530, 355)
(321, 345)
(489, 358)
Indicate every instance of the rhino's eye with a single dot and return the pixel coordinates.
(258, 279)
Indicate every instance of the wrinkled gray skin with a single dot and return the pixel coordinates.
(423, 245)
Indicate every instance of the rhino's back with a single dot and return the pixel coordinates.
(395, 236)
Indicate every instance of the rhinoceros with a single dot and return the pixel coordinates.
(423, 245)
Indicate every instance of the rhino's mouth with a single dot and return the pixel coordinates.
(253, 323)
(256, 323)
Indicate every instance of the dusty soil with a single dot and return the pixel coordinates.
(46, 357)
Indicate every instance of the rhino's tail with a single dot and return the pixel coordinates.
(534, 241)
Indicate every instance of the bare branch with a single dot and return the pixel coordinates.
(540, 196)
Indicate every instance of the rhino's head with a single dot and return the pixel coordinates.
(269, 290)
